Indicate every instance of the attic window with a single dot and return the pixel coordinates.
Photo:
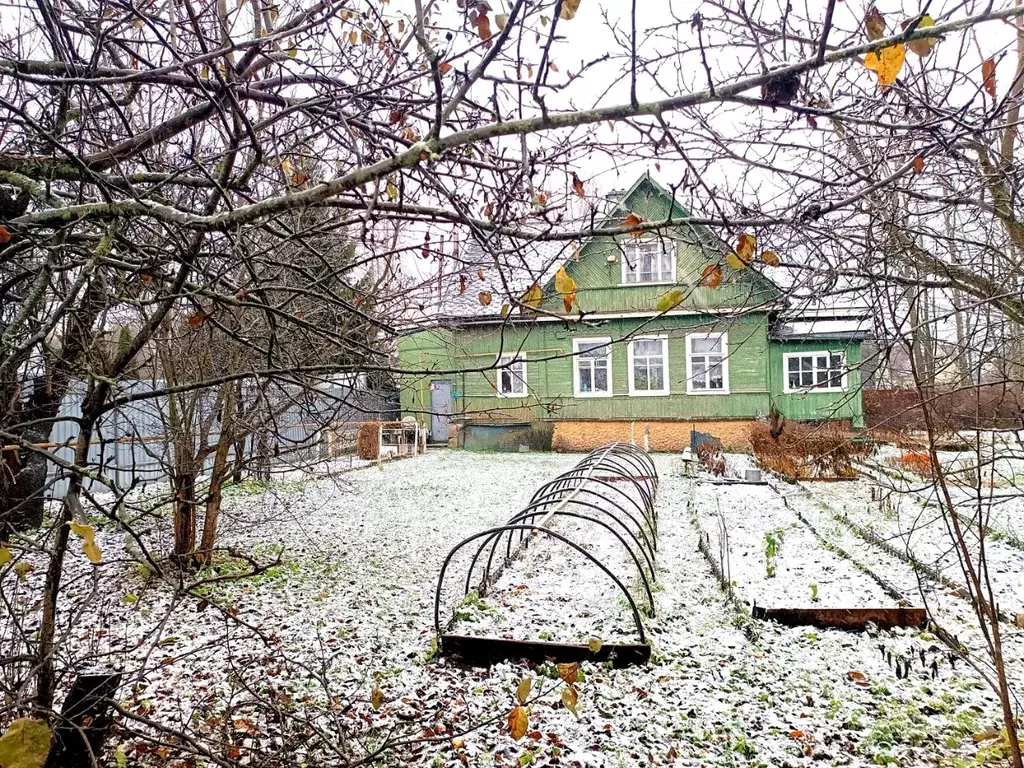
(648, 261)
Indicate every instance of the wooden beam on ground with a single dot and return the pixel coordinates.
(854, 619)
(484, 651)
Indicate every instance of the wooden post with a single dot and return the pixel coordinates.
(84, 721)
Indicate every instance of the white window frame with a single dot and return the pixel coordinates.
(667, 246)
(576, 360)
(787, 356)
(723, 337)
(509, 363)
(633, 391)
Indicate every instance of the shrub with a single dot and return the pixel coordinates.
(709, 453)
(806, 453)
(918, 462)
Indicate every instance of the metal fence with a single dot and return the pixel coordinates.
(131, 445)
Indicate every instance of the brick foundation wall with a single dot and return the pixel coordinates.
(664, 435)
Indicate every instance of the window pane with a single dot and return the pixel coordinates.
(837, 361)
(706, 345)
(821, 362)
(794, 365)
(717, 377)
(806, 379)
(640, 378)
(505, 382)
(656, 377)
(821, 376)
(645, 347)
(585, 379)
(601, 379)
(594, 349)
(666, 264)
(794, 378)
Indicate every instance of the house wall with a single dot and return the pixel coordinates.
(756, 374)
(547, 347)
(815, 406)
(419, 354)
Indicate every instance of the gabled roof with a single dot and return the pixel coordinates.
(506, 270)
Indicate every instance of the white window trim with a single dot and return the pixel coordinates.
(503, 363)
(668, 244)
(633, 392)
(576, 365)
(724, 337)
(786, 356)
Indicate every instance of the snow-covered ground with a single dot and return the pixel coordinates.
(348, 612)
(774, 560)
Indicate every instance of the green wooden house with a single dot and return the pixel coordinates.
(615, 367)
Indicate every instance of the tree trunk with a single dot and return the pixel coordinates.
(217, 476)
(184, 486)
(23, 487)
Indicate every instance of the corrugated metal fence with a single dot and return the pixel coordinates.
(131, 447)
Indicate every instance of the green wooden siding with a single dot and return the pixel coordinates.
(814, 406)
(599, 281)
(466, 357)
(547, 349)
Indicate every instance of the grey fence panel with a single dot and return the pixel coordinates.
(130, 447)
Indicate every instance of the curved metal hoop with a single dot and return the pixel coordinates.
(547, 532)
(619, 462)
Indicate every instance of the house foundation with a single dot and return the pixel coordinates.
(654, 435)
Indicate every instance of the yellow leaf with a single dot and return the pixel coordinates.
(26, 744)
(5, 556)
(569, 672)
(886, 66)
(595, 644)
(376, 698)
(518, 723)
(745, 246)
(771, 258)
(89, 546)
(444, 67)
(293, 51)
(533, 297)
(505, 309)
(735, 261)
(922, 46)
(553, 66)
(23, 569)
(501, 19)
(286, 166)
(544, 20)
(569, 8)
(563, 283)
(670, 300)
(353, 37)
(523, 689)
(485, 297)
(568, 300)
(392, 190)
(569, 699)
